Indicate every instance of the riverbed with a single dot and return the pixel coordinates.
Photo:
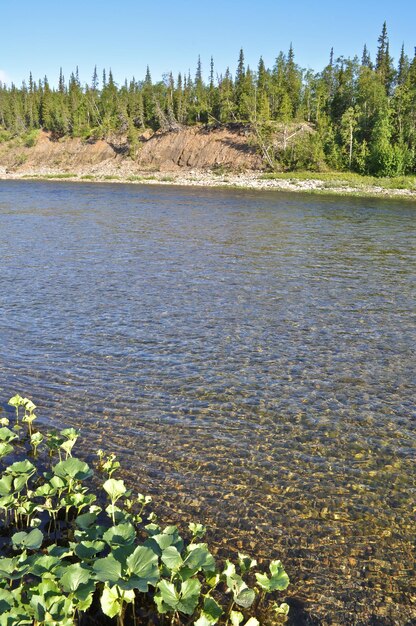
(249, 356)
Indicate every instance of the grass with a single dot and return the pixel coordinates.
(332, 180)
(60, 175)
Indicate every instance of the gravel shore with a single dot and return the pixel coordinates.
(195, 178)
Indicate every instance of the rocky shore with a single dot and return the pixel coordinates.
(253, 180)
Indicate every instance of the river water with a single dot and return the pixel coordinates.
(249, 356)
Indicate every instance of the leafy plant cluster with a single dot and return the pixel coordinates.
(67, 553)
(362, 111)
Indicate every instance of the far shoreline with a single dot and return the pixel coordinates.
(333, 185)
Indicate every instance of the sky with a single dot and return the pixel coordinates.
(128, 35)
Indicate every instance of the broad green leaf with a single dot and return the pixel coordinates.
(245, 597)
(59, 609)
(13, 569)
(168, 594)
(246, 562)
(199, 557)
(39, 608)
(236, 618)
(48, 588)
(57, 482)
(111, 603)
(16, 401)
(281, 609)
(81, 500)
(152, 529)
(121, 535)
(45, 491)
(31, 541)
(114, 488)
(86, 520)
(20, 481)
(203, 621)
(29, 418)
(107, 570)
(6, 485)
(21, 467)
(59, 551)
(70, 433)
(16, 617)
(279, 580)
(74, 576)
(210, 614)
(6, 501)
(36, 439)
(189, 596)
(198, 530)
(84, 595)
(171, 558)
(263, 581)
(229, 570)
(28, 404)
(67, 446)
(6, 601)
(143, 564)
(73, 468)
(44, 564)
(7, 435)
(160, 542)
(88, 549)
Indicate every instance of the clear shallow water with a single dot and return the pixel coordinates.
(249, 356)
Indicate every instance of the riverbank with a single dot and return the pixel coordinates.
(194, 156)
(306, 182)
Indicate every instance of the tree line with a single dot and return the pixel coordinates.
(360, 112)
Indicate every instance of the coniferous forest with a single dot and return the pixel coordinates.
(360, 113)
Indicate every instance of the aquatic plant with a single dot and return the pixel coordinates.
(69, 553)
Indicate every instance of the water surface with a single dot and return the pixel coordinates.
(249, 356)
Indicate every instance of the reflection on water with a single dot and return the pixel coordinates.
(249, 356)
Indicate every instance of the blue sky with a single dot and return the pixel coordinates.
(126, 36)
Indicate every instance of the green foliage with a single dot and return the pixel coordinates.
(65, 550)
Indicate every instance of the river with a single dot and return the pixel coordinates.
(249, 356)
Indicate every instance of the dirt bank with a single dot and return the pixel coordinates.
(193, 147)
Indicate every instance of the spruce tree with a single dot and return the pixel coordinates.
(94, 82)
(365, 58)
(384, 62)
